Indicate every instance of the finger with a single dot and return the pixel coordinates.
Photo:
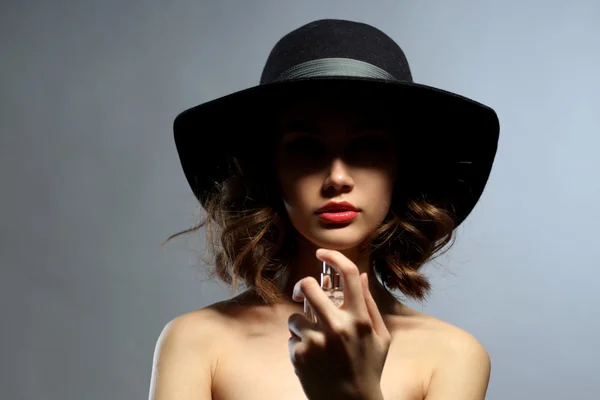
(353, 291)
(302, 286)
(297, 350)
(376, 319)
(321, 306)
(299, 326)
(302, 337)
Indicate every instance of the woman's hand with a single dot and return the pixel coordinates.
(343, 354)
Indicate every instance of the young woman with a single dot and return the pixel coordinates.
(337, 157)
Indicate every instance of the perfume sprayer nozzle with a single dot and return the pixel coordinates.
(330, 278)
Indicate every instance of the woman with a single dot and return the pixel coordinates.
(337, 157)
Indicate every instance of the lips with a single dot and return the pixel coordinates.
(337, 207)
(338, 212)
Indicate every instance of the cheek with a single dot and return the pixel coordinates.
(297, 201)
(295, 190)
(378, 189)
(389, 180)
(385, 194)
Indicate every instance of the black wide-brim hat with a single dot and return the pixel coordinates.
(454, 138)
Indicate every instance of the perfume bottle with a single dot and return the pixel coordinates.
(331, 283)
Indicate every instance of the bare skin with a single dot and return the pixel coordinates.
(237, 349)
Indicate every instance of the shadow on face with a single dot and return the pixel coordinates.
(313, 133)
(335, 151)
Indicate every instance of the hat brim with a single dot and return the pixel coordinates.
(458, 137)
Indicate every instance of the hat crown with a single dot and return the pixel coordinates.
(336, 39)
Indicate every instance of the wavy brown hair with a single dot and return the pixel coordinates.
(252, 240)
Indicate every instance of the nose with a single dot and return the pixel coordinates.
(339, 179)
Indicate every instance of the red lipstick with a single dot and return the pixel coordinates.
(337, 212)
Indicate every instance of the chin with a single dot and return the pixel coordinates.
(338, 238)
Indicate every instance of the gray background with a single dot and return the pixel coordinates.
(91, 184)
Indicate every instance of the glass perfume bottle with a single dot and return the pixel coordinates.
(331, 283)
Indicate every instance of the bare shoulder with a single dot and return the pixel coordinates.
(453, 341)
(460, 365)
(185, 356)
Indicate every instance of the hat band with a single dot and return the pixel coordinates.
(335, 67)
